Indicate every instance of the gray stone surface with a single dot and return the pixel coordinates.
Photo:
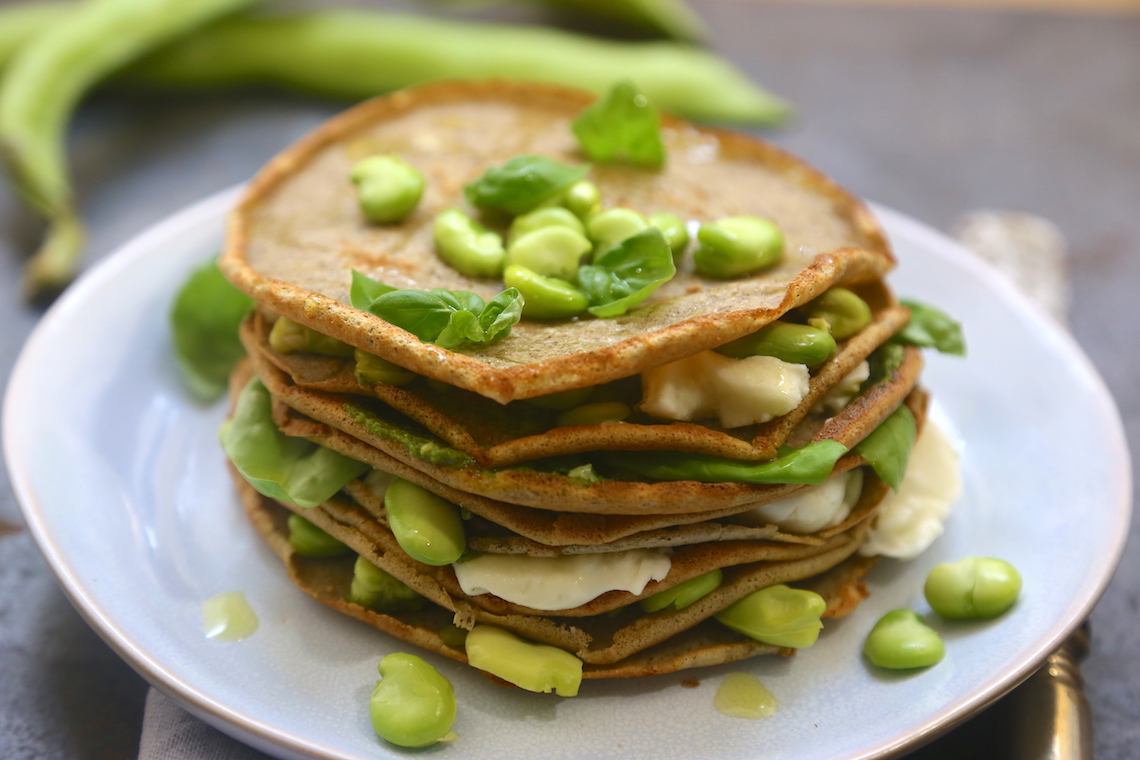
(936, 113)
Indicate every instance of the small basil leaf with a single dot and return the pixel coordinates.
(627, 273)
(501, 313)
(423, 314)
(623, 126)
(887, 448)
(447, 318)
(204, 325)
(365, 290)
(463, 326)
(811, 465)
(883, 361)
(279, 466)
(932, 328)
(522, 183)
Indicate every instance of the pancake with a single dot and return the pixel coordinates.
(524, 490)
(297, 234)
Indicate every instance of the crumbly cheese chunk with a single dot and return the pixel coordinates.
(910, 519)
(560, 583)
(839, 395)
(736, 391)
(813, 509)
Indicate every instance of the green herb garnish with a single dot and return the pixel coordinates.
(446, 318)
(623, 126)
(627, 273)
(522, 183)
(811, 465)
(932, 328)
(887, 448)
(204, 324)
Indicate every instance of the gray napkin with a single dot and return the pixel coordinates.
(1027, 249)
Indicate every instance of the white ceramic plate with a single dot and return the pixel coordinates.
(123, 486)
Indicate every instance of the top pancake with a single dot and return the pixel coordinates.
(298, 233)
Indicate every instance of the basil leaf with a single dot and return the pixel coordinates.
(204, 325)
(627, 273)
(522, 183)
(279, 466)
(365, 290)
(932, 328)
(811, 465)
(887, 448)
(447, 318)
(623, 126)
(501, 312)
(883, 361)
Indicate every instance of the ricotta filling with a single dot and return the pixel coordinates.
(839, 395)
(560, 583)
(736, 391)
(910, 519)
(813, 509)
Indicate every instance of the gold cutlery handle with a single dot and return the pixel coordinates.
(1052, 717)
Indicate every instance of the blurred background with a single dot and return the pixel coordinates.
(937, 109)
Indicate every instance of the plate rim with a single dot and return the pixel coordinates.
(274, 739)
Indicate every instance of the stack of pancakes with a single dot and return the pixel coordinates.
(464, 428)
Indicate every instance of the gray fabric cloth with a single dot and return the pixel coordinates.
(1027, 249)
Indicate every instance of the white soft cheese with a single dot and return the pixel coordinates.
(737, 391)
(839, 395)
(560, 583)
(813, 509)
(910, 519)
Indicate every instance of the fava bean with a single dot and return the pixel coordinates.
(777, 615)
(467, 245)
(901, 641)
(736, 246)
(412, 705)
(974, 587)
(545, 297)
(683, 594)
(372, 370)
(594, 414)
(310, 541)
(388, 188)
(792, 343)
(609, 227)
(288, 336)
(374, 589)
(45, 81)
(840, 312)
(583, 199)
(549, 216)
(428, 527)
(563, 399)
(550, 251)
(534, 667)
(674, 229)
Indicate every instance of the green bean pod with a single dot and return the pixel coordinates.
(45, 81)
(357, 54)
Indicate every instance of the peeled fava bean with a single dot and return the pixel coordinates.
(553, 251)
(777, 615)
(467, 245)
(288, 336)
(428, 527)
(412, 705)
(674, 229)
(545, 297)
(374, 370)
(839, 311)
(902, 641)
(974, 587)
(387, 187)
(683, 594)
(534, 667)
(788, 342)
(549, 216)
(582, 199)
(310, 541)
(610, 227)
(736, 246)
(376, 590)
